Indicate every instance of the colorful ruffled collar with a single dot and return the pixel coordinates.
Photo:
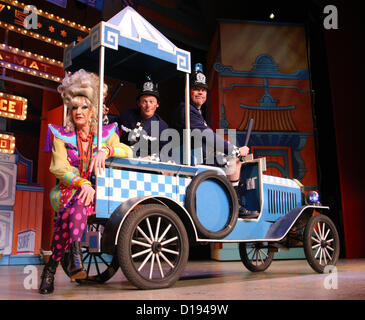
(70, 137)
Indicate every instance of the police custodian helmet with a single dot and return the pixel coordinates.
(149, 89)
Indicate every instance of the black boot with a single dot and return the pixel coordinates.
(47, 277)
(76, 267)
(243, 212)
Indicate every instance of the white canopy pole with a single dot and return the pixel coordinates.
(101, 95)
(187, 141)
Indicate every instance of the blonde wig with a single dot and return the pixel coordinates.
(81, 84)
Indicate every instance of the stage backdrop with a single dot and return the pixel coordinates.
(260, 71)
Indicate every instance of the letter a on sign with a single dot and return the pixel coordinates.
(330, 22)
(31, 20)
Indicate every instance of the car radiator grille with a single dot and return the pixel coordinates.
(280, 202)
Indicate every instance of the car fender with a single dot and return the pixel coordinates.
(115, 222)
(281, 227)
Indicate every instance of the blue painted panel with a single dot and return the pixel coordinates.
(278, 229)
(279, 200)
(229, 252)
(251, 198)
(23, 259)
(27, 187)
(93, 242)
(145, 165)
(102, 208)
(147, 47)
(212, 205)
(6, 208)
(83, 237)
(249, 230)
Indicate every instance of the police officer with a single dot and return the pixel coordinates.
(141, 127)
(211, 141)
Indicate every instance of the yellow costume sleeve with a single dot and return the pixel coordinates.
(62, 169)
(118, 149)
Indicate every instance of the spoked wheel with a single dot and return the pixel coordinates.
(255, 255)
(321, 242)
(100, 267)
(153, 247)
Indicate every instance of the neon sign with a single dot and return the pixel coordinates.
(29, 63)
(7, 143)
(13, 107)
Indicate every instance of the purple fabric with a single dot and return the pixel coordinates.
(49, 136)
(107, 128)
(72, 155)
(49, 142)
(70, 225)
(117, 130)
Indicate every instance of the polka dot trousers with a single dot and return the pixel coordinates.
(69, 227)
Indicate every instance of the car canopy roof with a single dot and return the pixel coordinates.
(133, 49)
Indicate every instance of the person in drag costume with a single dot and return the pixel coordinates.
(74, 160)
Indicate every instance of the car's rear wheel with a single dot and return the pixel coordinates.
(255, 256)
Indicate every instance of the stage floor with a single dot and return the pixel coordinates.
(206, 280)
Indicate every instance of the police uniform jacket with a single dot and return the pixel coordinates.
(211, 142)
(135, 128)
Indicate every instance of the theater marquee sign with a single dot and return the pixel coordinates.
(29, 63)
(13, 107)
(49, 28)
(7, 143)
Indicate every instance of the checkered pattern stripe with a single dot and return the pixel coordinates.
(279, 181)
(117, 186)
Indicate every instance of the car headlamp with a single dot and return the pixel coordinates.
(313, 197)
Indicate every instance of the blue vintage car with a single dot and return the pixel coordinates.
(149, 213)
